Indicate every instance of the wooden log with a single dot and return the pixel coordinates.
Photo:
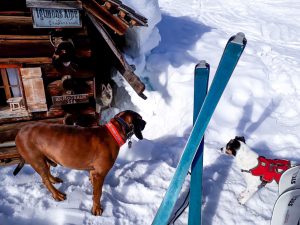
(30, 61)
(15, 13)
(19, 125)
(102, 14)
(77, 70)
(8, 135)
(9, 162)
(9, 5)
(25, 48)
(35, 116)
(24, 37)
(9, 156)
(13, 24)
(15, 48)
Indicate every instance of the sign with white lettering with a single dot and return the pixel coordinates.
(70, 99)
(56, 18)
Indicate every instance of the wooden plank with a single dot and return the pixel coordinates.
(15, 21)
(33, 117)
(34, 89)
(9, 162)
(24, 37)
(25, 48)
(8, 135)
(84, 70)
(50, 4)
(17, 48)
(102, 14)
(124, 68)
(17, 61)
(19, 125)
(9, 152)
(14, 13)
(9, 5)
(5, 83)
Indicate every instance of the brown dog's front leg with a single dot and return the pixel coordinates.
(97, 180)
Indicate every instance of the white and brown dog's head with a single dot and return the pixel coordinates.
(234, 145)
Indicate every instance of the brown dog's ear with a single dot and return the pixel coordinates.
(139, 125)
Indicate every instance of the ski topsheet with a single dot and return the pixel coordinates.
(229, 60)
(195, 199)
(287, 208)
(290, 179)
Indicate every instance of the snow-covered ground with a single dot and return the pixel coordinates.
(261, 102)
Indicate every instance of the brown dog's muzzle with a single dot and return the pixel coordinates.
(139, 125)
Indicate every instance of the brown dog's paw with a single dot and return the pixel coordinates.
(97, 210)
(59, 196)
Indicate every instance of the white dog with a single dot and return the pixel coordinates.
(257, 170)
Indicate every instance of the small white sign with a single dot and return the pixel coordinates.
(55, 18)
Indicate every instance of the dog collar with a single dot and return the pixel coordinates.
(114, 132)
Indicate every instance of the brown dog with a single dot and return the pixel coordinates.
(95, 149)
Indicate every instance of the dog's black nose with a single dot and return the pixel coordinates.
(221, 149)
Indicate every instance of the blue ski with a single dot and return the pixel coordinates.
(193, 198)
(200, 91)
(230, 58)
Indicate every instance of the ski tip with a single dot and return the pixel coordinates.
(239, 38)
(202, 65)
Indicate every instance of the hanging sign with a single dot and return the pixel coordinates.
(70, 99)
(55, 14)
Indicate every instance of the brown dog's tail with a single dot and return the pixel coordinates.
(19, 167)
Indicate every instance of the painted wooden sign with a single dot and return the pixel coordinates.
(55, 18)
(70, 99)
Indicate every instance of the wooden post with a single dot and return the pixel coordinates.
(5, 83)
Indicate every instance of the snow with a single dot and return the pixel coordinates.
(261, 102)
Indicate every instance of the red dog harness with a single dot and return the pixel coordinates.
(114, 132)
(270, 169)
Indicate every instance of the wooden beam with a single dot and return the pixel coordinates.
(24, 37)
(8, 135)
(9, 162)
(50, 4)
(124, 68)
(19, 125)
(14, 13)
(102, 14)
(15, 21)
(5, 83)
(81, 70)
(25, 48)
(14, 48)
(9, 153)
(18, 61)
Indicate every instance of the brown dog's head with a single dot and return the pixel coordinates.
(133, 121)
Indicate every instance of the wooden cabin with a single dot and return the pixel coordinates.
(56, 60)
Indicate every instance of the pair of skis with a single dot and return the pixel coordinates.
(231, 55)
(287, 207)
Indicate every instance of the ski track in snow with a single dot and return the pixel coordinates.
(261, 102)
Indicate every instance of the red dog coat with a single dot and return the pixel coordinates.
(270, 169)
